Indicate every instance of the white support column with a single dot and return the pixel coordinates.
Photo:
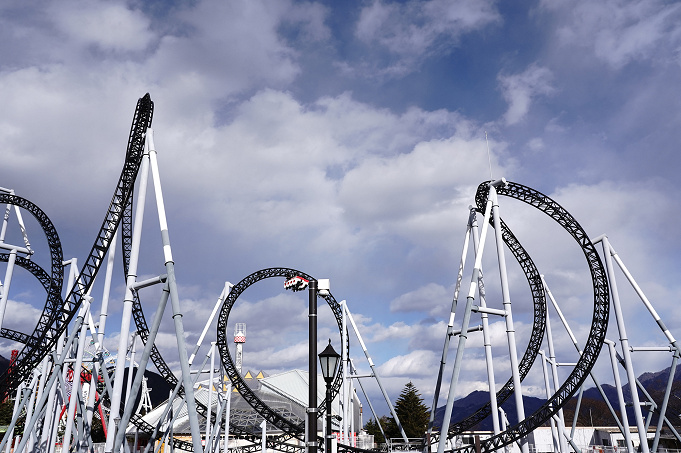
(8, 280)
(487, 341)
(548, 392)
(228, 409)
(346, 363)
(211, 380)
(50, 422)
(644, 299)
(620, 395)
(41, 390)
(10, 433)
(107, 288)
(450, 325)
(624, 343)
(126, 317)
(131, 366)
(75, 389)
(29, 412)
(263, 445)
(556, 381)
(349, 413)
(510, 329)
(472, 289)
(174, 297)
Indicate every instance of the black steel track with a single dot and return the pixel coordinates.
(289, 428)
(56, 316)
(155, 356)
(52, 283)
(599, 321)
(58, 312)
(536, 337)
(44, 279)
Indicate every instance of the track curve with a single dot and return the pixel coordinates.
(52, 282)
(57, 316)
(296, 430)
(599, 321)
(536, 336)
(51, 287)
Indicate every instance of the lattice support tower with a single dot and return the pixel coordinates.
(239, 340)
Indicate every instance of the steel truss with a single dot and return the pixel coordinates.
(60, 312)
(601, 306)
(57, 314)
(293, 429)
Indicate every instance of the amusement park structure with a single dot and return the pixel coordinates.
(62, 379)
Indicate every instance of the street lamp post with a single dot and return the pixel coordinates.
(329, 360)
(311, 437)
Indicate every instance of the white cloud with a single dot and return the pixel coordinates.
(254, 176)
(310, 17)
(412, 194)
(106, 25)
(415, 364)
(289, 357)
(536, 144)
(416, 30)
(225, 48)
(430, 299)
(619, 31)
(415, 27)
(20, 316)
(520, 89)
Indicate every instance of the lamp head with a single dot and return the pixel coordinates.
(329, 360)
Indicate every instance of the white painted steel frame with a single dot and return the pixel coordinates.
(348, 314)
(464, 328)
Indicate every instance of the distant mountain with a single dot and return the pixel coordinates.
(593, 409)
(463, 407)
(658, 381)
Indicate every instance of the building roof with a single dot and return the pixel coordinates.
(286, 393)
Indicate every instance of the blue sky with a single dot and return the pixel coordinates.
(346, 139)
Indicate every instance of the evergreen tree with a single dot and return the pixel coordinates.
(412, 412)
(372, 427)
(6, 412)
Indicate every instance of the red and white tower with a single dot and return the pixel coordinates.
(239, 340)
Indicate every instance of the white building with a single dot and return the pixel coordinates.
(286, 393)
(587, 439)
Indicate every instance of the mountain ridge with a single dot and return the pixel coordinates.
(593, 410)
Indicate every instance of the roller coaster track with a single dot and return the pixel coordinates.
(598, 325)
(290, 429)
(296, 430)
(52, 283)
(536, 336)
(57, 314)
(52, 288)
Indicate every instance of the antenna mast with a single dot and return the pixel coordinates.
(489, 158)
(239, 340)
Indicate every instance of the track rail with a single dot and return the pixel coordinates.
(52, 283)
(293, 429)
(57, 315)
(536, 336)
(599, 321)
(52, 288)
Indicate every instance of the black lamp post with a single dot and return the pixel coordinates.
(311, 435)
(329, 360)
